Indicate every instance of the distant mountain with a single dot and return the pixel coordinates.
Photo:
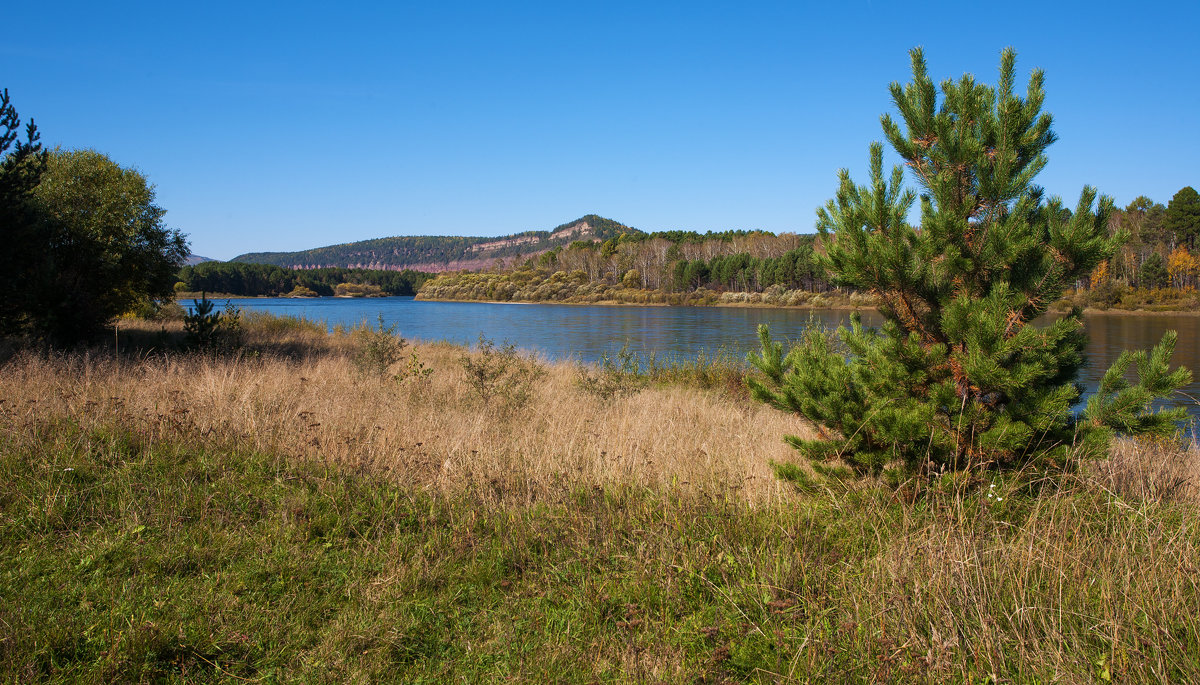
(194, 259)
(442, 253)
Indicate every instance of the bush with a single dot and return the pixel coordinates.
(613, 377)
(376, 349)
(358, 290)
(156, 310)
(301, 291)
(500, 377)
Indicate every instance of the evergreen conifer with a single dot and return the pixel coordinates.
(1182, 218)
(1153, 273)
(958, 376)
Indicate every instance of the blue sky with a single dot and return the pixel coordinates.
(284, 126)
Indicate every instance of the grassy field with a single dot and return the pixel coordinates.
(304, 510)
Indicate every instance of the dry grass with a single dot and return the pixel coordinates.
(1152, 470)
(430, 432)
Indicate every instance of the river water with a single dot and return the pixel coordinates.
(585, 332)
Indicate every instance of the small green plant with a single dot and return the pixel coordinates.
(201, 323)
(614, 377)
(500, 377)
(415, 368)
(378, 348)
(230, 331)
(211, 330)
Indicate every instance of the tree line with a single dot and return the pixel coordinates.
(253, 280)
(1159, 248)
(1162, 246)
(796, 269)
(681, 261)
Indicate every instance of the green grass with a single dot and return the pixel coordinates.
(127, 559)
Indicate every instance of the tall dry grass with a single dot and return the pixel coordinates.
(305, 398)
(299, 393)
(1152, 470)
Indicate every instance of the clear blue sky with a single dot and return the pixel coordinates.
(283, 126)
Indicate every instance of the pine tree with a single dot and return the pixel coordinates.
(23, 259)
(1153, 273)
(1182, 218)
(958, 376)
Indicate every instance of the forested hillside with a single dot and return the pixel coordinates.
(1156, 267)
(442, 253)
(673, 267)
(595, 259)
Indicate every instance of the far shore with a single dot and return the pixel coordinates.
(828, 307)
(616, 303)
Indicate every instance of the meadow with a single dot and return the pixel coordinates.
(313, 506)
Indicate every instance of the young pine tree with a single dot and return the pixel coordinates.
(958, 376)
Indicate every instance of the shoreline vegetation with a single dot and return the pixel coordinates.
(541, 285)
(265, 280)
(294, 504)
(833, 300)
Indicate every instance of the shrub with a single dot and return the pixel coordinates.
(358, 290)
(376, 349)
(613, 377)
(301, 291)
(500, 377)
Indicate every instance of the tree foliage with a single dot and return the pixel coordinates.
(958, 376)
(1153, 272)
(104, 245)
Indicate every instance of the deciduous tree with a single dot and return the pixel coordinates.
(1182, 267)
(101, 245)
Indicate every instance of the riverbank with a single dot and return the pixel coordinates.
(826, 304)
(798, 300)
(302, 510)
(577, 287)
